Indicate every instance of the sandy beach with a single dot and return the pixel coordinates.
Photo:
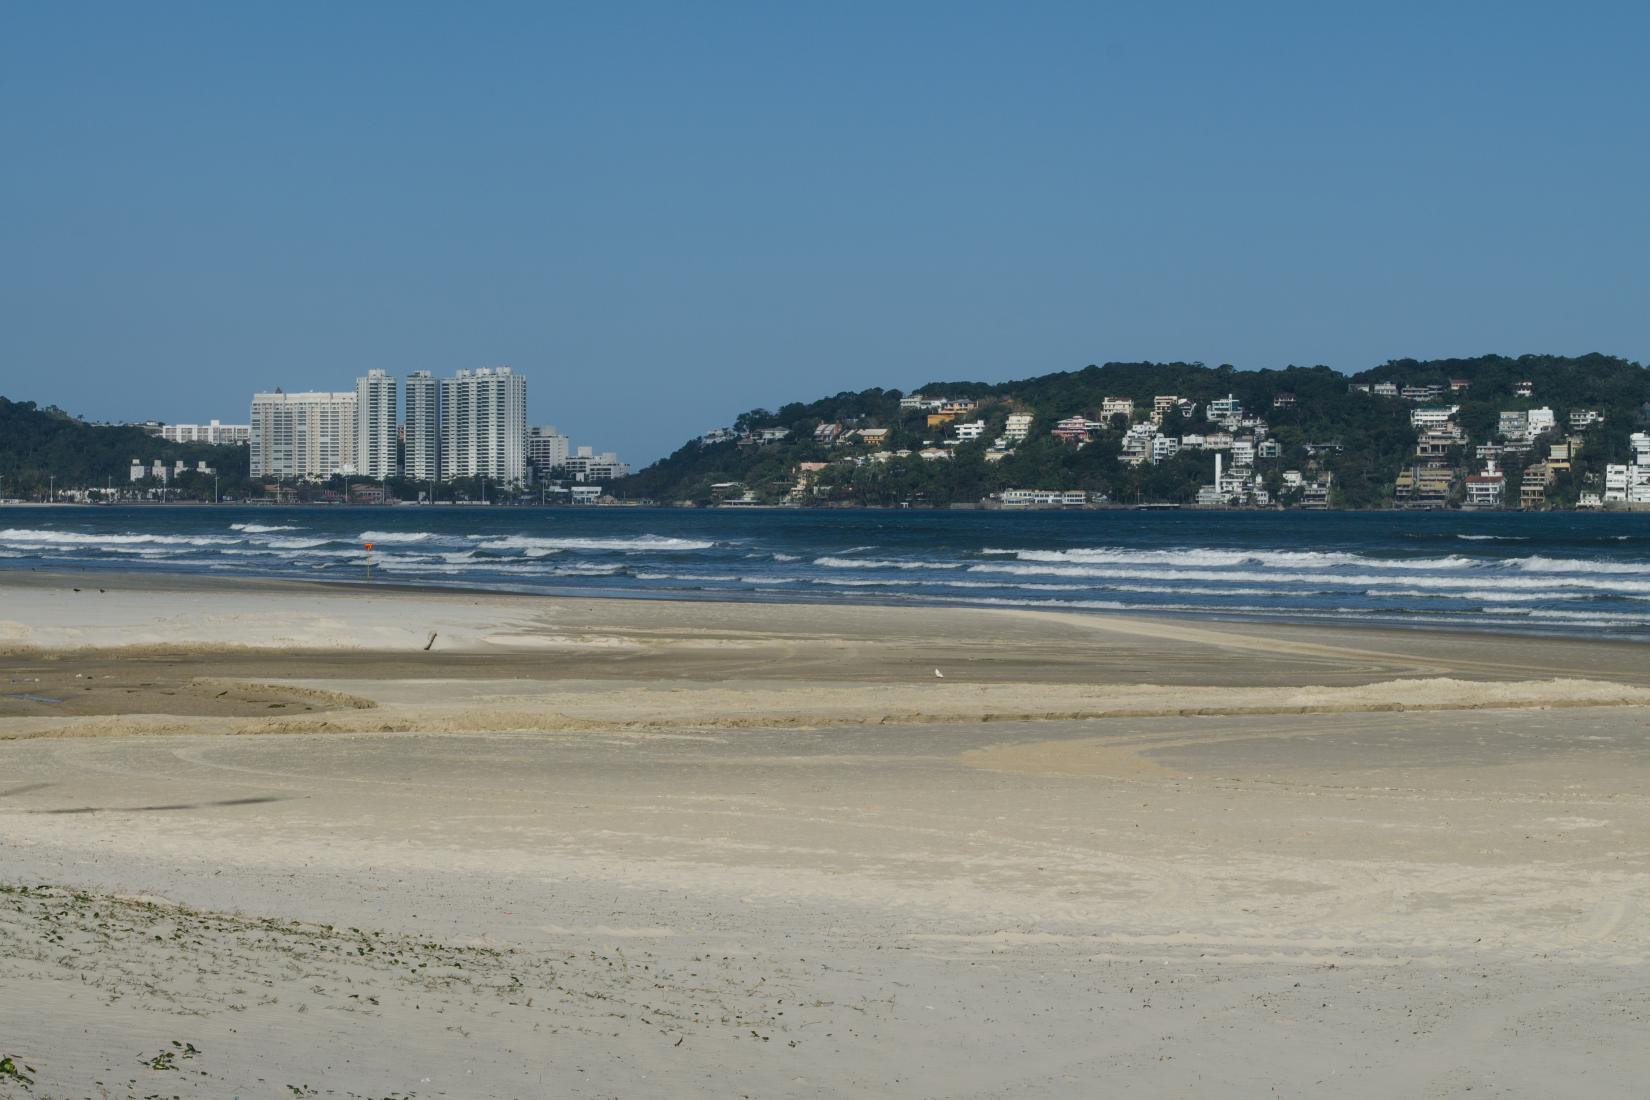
(269, 839)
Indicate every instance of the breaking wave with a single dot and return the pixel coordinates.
(873, 563)
(1203, 556)
(95, 539)
(1552, 575)
(637, 543)
(397, 536)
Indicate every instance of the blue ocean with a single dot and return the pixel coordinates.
(1550, 573)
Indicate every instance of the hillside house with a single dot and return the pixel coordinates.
(1425, 485)
(1076, 429)
(1487, 489)
(1227, 408)
(1436, 444)
(1116, 406)
(1532, 492)
(1438, 417)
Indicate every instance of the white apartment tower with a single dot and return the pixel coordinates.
(484, 425)
(375, 425)
(303, 435)
(423, 439)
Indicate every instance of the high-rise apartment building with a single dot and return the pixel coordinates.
(547, 449)
(422, 428)
(484, 425)
(375, 425)
(304, 435)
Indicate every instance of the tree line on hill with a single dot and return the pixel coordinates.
(42, 449)
(1358, 438)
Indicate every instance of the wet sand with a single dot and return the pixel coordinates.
(604, 848)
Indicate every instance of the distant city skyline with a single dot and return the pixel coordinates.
(666, 215)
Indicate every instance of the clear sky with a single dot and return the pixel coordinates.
(666, 214)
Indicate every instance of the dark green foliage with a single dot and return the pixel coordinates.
(1373, 433)
(37, 445)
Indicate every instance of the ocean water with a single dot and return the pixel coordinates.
(1548, 573)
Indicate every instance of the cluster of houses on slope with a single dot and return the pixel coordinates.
(1431, 478)
(1440, 467)
(1424, 394)
(1242, 438)
(1627, 483)
(1147, 437)
(1446, 467)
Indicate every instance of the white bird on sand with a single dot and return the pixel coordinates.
(940, 674)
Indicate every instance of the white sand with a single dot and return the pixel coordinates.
(107, 613)
(1294, 865)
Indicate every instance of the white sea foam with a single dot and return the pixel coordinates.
(30, 537)
(270, 552)
(1538, 564)
(1594, 618)
(1365, 580)
(1231, 609)
(874, 563)
(396, 536)
(259, 528)
(935, 582)
(1024, 586)
(1484, 594)
(516, 568)
(1205, 556)
(637, 543)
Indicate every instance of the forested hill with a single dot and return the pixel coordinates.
(1359, 438)
(37, 445)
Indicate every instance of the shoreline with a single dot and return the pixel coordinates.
(162, 579)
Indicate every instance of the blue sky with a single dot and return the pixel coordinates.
(665, 214)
